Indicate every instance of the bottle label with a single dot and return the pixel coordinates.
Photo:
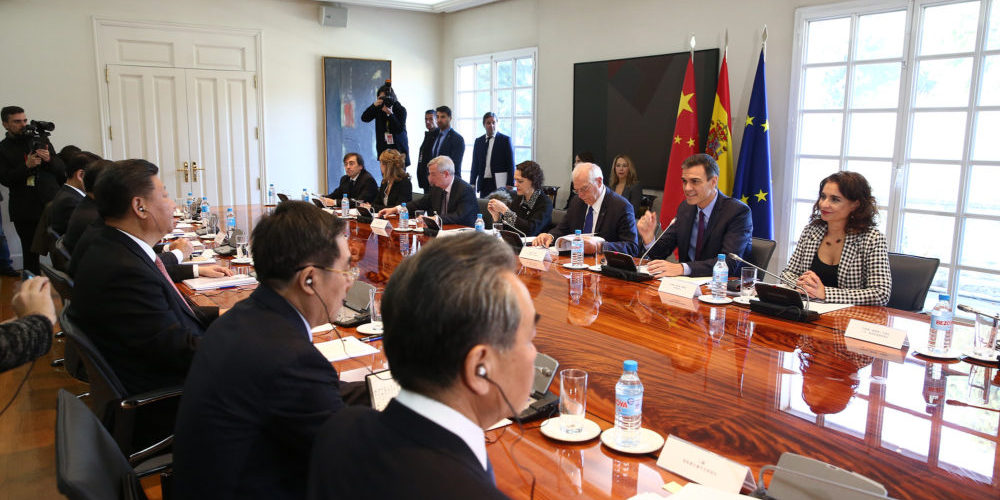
(629, 407)
(941, 323)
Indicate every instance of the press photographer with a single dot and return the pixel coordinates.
(390, 122)
(30, 168)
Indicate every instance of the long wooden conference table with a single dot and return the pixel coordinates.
(743, 385)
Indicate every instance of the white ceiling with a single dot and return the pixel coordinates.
(420, 5)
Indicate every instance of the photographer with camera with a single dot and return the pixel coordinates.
(30, 168)
(390, 122)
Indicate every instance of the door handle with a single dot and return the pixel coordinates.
(194, 170)
(185, 170)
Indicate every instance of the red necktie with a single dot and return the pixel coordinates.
(163, 271)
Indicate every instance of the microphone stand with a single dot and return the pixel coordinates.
(779, 278)
(655, 241)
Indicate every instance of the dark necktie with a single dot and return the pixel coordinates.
(489, 470)
(166, 275)
(701, 235)
(444, 204)
(588, 221)
(437, 145)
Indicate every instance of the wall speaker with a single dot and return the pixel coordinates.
(333, 15)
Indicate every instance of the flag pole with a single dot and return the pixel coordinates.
(763, 42)
(725, 52)
(692, 46)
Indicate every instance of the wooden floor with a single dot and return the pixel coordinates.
(27, 428)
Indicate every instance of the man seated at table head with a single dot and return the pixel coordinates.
(258, 391)
(123, 299)
(449, 196)
(356, 183)
(708, 223)
(596, 211)
(458, 326)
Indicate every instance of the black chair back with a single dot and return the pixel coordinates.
(60, 256)
(761, 251)
(911, 278)
(106, 389)
(552, 192)
(61, 281)
(89, 465)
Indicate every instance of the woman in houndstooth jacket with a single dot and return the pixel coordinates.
(841, 256)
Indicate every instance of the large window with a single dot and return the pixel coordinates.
(503, 83)
(908, 94)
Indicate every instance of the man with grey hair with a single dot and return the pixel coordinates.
(459, 327)
(450, 197)
(604, 215)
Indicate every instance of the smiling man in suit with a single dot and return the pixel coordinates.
(446, 142)
(123, 299)
(596, 210)
(708, 223)
(452, 198)
(356, 183)
(492, 159)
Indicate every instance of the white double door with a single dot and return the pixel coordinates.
(198, 126)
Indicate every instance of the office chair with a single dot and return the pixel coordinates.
(141, 424)
(911, 278)
(89, 465)
(761, 251)
(552, 192)
(60, 256)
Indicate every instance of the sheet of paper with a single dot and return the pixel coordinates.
(823, 308)
(199, 260)
(325, 327)
(350, 347)
(695, 491)
(223, 282)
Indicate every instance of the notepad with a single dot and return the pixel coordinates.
(381, 388)
(349, 347)
(222, 282)
(823, 308)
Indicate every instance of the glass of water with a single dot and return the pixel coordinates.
(572, 400)
(748, 279)
(241, 245)
(375, 309)
(986, 335)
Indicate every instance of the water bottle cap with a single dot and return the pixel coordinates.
(722, 256)
(204, 198)
(229, 210)
(630, 365)
(479, 216)
(578, 232)
(944, 296)
(403, 204)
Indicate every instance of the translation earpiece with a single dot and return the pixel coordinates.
(142, 209)
(309, 281)
(481, 371)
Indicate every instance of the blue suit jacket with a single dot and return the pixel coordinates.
(453, 146)
(502, 159)
(615, 222)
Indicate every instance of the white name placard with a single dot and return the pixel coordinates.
(220, 237)
(535, 253)
(704, 467)
(876, 334)
(380, 227)
(686, 303)
(683, 288)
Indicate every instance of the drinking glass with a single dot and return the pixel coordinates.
(572, 400)
(986, 335)
(497, 227)
(241, 245)
(748, 278)
(418, 217)
(375, 309)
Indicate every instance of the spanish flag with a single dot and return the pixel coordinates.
(720, 142)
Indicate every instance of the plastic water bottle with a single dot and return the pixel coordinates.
(720, 274)
(576, 250)
(206, 210)
(345, 206)
(230, 224)
(628, 405)
(404, 216)
(305, 194)
(941, 325)
(271, 195)
(480, 223)
(189, 205)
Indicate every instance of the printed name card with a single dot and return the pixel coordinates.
(704, 467)
(535, 253)
(876, 334)
(380, 227)
(683, 288)
(220, 237)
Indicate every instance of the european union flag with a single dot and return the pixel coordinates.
(753, 170)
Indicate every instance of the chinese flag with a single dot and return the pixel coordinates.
(683, 145)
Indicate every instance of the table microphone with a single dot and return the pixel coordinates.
(672, 221)
(779, 278)
(516, 230)
(970, 309)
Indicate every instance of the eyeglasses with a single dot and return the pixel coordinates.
(351, 274)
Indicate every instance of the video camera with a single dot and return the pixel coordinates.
(39, 132)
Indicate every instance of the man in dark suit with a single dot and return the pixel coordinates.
(459, 327)
(85, 214)
(708, 223)
(123, 299)
(446, 142)
(71, 193)
(425, 147)
(596, 210)
(492, 159)
(33, 178)
(258, 391)
(356, 183)
(452, 198)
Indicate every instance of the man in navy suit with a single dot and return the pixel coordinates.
(446, 142)
(459, 327)
(258, 391)
(708, 223)
(597, 211)
(424, 156)
(453, 199)
(124, 299)
(492, 159)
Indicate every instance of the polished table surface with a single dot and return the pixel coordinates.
(746, 386)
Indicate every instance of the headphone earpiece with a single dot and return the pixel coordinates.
(481, 371)
(309, 281)
(142, 209)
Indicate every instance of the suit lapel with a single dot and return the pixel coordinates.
(847, 257)
(430, 435)
(684, 229)
(133, 247)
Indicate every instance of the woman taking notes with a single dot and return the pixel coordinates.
(841, 257)
(396, 187)
(531, 210)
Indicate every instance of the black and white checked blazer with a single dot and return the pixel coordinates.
(863, 276)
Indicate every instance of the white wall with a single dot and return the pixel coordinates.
(571, 31)
(49, 67)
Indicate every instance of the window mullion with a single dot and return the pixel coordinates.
(904, 126)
